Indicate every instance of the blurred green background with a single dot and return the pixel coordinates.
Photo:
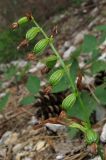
(11, 10)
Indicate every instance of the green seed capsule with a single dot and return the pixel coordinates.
(41, 45)
(22, 20)
(69, 101)
(56, 77)
(50, 61)
(32, 33)
(91, 136)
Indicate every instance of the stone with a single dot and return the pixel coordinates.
(33, 121)
(80, 37)
(55, 127)
(11, 139)
(18, 147)
(68, 52)
(29, 147)
(5, 136)
(60, 157)
(103, 134)
(67, 44)
(20, 155)
(40, 145)
(3, 152)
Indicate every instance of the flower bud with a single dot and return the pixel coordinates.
(56, 77)
(91, 136)
(32, 33)
(69, 101)
(23, 20)
(41, 45)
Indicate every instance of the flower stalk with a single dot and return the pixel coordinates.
(74, 89)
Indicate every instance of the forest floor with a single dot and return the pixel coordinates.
(21, 135)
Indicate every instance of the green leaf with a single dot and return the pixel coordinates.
(77, 52)
(28, 100)
(33, 84)
(100, 93)
(32, 33)
(73, 132)
(101, 28)
(98, 66)
(3, 101)
(74, 70)
(89, 43)
(41, 45)
(89, 103)
(11, 71)
(95, 55)
(63, 85)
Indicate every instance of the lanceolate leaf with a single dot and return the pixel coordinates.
(41, 45)
(3, 101)
(32, 33)
(33, 84)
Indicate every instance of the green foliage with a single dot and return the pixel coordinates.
(101, 28)
(63, 85)
(100, 93)
(3, 101)
(98, 66)
(77, 2)
(28, 100)
(89, 103)
(8, 45)
(10, 72)
(33, 84)
(78, 104)
(89, 44)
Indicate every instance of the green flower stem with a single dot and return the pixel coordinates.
(64, 67)
(57, 54)
(66, 71)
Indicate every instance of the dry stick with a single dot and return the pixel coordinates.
(18, 112)
(93, 95)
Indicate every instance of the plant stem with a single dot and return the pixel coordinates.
(66, 71)
(57, 54)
